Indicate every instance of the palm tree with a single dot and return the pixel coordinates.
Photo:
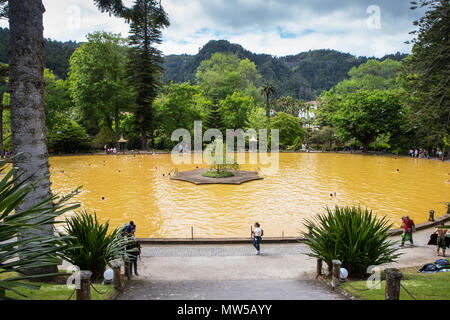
(268, 90)
(26, 66)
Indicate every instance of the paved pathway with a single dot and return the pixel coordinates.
(230, 272)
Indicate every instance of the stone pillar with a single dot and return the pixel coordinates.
(431, 219)
(336, 276)
(393, 278)
(116, 280)
(319, 268)
(84, 291)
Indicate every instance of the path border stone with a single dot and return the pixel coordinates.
(187, 241)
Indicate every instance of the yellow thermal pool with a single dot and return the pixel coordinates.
(121, 188)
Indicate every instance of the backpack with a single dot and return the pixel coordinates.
(442, 263)
(428, 268)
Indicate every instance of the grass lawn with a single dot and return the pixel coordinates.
(56, 291)
(423, 286)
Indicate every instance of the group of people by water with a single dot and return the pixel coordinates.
(439, 233)
(110, 150)
(425, 154)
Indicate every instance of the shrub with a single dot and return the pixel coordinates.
(352, 235)
(221, 174)
(35, 251)
(95, 246)
(106, 136)
(68, 137)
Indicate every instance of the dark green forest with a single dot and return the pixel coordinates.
(302, 76)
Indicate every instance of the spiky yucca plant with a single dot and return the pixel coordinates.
(92, 245)
(352, 235)
(19, 254)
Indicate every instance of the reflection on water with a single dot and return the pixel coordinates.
(134, 188)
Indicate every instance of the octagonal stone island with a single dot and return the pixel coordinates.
(196, 177)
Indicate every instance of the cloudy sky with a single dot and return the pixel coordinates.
(277, 27)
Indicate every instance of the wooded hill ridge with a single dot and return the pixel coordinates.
(302, 76)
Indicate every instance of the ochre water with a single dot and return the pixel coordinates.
(134, 188)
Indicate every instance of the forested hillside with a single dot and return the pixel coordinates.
(302, 76)
(57, 53)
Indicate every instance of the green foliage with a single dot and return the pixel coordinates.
(67, 136)
(366, 115)
(325, 136)
(220, 164)
(97, 80)
(288, 105)
(355, 236)
(148, 18)
(105, 137)
(268, 90)
(235, 109)
(57, 100)
(19, 254)
(424, 286)
(289, 127)
(214, 120)
(92, 246)
(303, 76)
(57, 54)
(131, 132)
(179, 108)
(218, 174)
(224, 74)
(426, 90)
(372, 75)
(256, 119)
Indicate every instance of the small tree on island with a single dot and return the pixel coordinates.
(222, 164)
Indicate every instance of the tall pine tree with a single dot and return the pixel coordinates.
(148, 18)
(214, 119)
(427, 69)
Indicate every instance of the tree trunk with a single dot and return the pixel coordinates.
(28, 129)
(117, 125)
(144, 140)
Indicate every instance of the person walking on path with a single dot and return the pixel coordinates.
(408, 229)
(258, 233)
(441, 232)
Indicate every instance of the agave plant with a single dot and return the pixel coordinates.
(90, 245)
(355, 236)
(18, 253)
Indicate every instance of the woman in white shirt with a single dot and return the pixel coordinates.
(257, 237)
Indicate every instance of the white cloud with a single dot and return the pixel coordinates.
(275, 27)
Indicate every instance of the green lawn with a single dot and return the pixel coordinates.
(424, 286)
(57, 291)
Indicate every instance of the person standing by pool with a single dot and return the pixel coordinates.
(134, 250)
(441, 244)
(408, 229)
(258, 233)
